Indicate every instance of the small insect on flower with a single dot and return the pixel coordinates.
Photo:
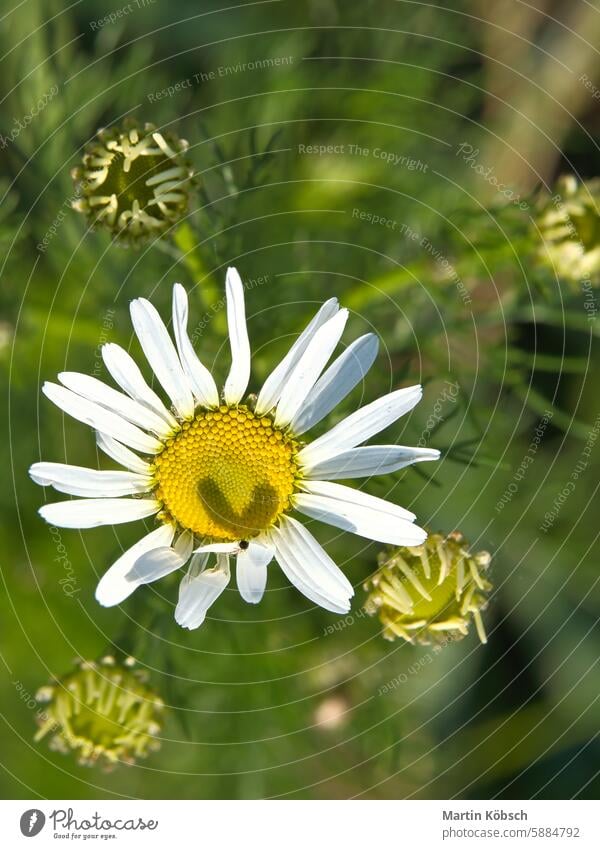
(223, 476)
(569, 223)
(103, 711)
(134, 182)
(428, 592)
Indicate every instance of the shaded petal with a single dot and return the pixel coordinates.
(113, 587)
(101, 419)
(199, 589)
(309, 367)
(339, 379)
(159, 562)
(361, 425)
(366, 516)
(308, 566)
(125, 371)
(372, 460)
(306, 545)
(271, 391)
(201, 380)
(217, 548)
(358, 497)
(239, 374)
(77, 480)
(122, 455)
(161, 355)
(251, 570)
(93, 389)
(93, 512)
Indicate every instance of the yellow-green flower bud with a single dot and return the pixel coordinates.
(134, 182)
(430, 592)
(569, 223)
(103, 711)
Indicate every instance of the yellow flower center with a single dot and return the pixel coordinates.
(227, 475)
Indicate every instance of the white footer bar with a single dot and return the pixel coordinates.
(367, 824)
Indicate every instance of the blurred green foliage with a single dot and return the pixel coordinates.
(459, 302)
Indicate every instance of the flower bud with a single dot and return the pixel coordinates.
(430, 593)
(103, 711)
(133, 182)
(569, 223)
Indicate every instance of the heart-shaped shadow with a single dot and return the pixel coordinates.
(258, 514)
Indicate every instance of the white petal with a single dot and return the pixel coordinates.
(77, 480)
(271, 392)
(307, 565)
(372, 460)
(198, 590)
(201, 380)
(161, 355)
(198, 563)
(124, 371)
(361, 425)
(239, 374)
(339, 379)
(305, 543)
(113, 587)
(122, 455)
(159, 562)
(368, 517)
(309, 367)
(218, 548)
(100, 419)
(93, 389)
(251, 570)
(357, 497)
(93, 512)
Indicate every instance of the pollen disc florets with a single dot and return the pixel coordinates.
(427, 592)
(227, 475)
(134, 182)
(103, 711)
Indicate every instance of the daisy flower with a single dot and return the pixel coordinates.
(223, 477)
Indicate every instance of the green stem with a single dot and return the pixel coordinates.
(132, 638)
(186, 240)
